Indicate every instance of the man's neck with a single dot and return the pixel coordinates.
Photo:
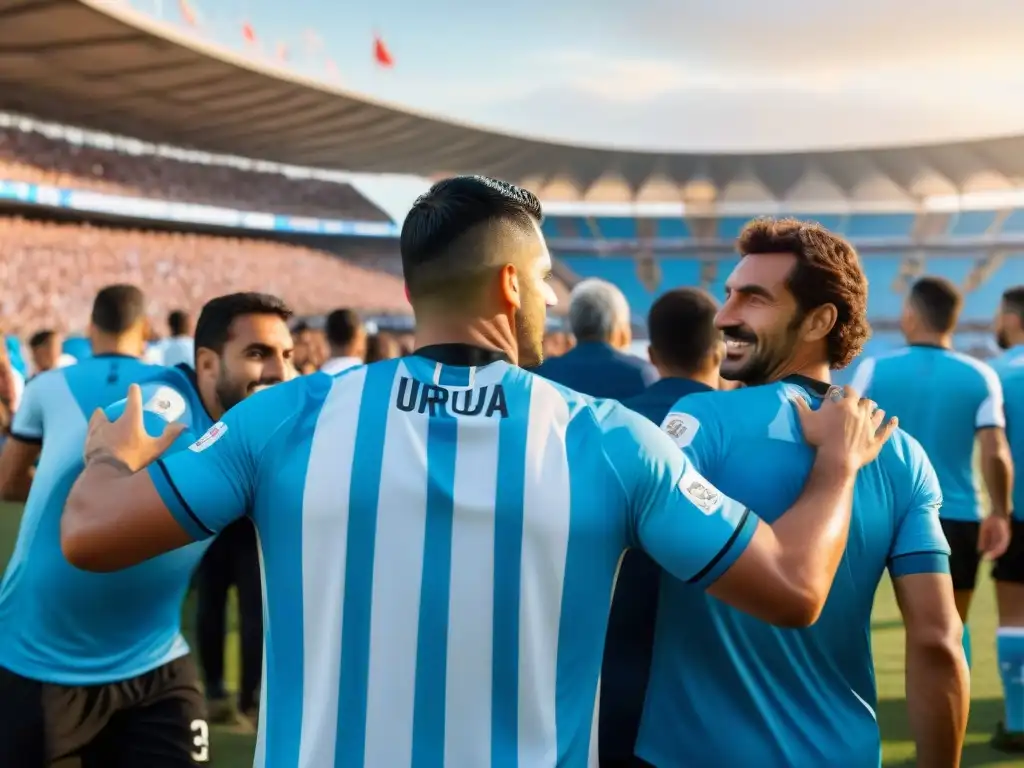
(341, 352)
(113, 345)
(943, 340)
(817, 371)
(480, 332)
(708, 378)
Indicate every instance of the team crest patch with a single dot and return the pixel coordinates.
(700, 492)
(213, 434)
(681, 427)
(166, 403)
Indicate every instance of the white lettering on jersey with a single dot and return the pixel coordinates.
(213, 434)
(166, 403)
(681, 427)
(700, 492)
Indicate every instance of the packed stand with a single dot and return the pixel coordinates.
(37, 159)
(54, 271)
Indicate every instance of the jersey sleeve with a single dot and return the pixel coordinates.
(990, 413)
(679, 518)
(214, 481)
(693, 427)
(919, 545)
(27, 424)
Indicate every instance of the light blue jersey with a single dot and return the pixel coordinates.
(729, 690)
(59, 624)
(439, 545)
(942, 398)
(1010, 368)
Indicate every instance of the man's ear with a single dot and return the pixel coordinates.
(510, 289)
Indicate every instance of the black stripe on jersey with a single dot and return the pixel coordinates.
(181, 499)
(30, 439)
(721, 553)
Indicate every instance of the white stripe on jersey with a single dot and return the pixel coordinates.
(471, 602)
(324, 544)
(542, 578)
(259, 759)
(397, 581)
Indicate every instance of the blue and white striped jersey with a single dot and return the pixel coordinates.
(62, 625)
(942, 398)
(439, 545)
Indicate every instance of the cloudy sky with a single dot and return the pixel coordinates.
(700, 75)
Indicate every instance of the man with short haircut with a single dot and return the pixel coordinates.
(687, 349)
(949, 401)
(59, 400)
(440, 533)
(598, 365)
(45, 346)
(94, 670)
(179, 347)
(1008, 572)
(347, 338)
(727, 689)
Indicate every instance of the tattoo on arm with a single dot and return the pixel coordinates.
(102, 456)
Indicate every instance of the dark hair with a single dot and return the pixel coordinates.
(436, 253)
(827, 271)
(39, 338)
(118, 308)
(301, 327)
(937, 301)
(1013, 300)
(177, 322)
(342, 327)
(681, 325)
(213, 329)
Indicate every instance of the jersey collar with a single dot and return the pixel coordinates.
(813, 387)
(465, 355)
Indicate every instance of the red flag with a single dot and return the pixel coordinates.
(282, 52)
(248, 32)
(332, 68)
(381, 54)
(187, 13)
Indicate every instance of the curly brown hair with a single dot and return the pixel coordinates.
(827, 271)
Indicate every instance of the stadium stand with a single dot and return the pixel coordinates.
(35, 158)
(54, 270)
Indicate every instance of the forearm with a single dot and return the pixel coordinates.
(812, 533)
(997, 469)
(938, 700)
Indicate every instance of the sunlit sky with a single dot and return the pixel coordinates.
(683, 75)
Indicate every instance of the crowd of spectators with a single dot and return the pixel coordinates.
(35, 158)
(52, 271)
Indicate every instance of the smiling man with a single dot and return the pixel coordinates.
(94, 670)
(729, 690)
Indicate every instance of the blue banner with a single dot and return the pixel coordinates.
(187, 213)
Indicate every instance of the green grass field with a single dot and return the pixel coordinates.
(233, 750)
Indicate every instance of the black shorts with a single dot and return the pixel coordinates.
(964, 558)
(1010, 567)
(156, 720)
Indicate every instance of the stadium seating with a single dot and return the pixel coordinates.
(53, 271)
(37, 159)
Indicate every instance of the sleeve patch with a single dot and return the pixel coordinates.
(166, 403)
(212, 435)
(681, 427)
(700, 492)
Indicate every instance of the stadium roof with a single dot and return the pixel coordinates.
(103, 66)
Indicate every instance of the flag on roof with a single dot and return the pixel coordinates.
(381, 54)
